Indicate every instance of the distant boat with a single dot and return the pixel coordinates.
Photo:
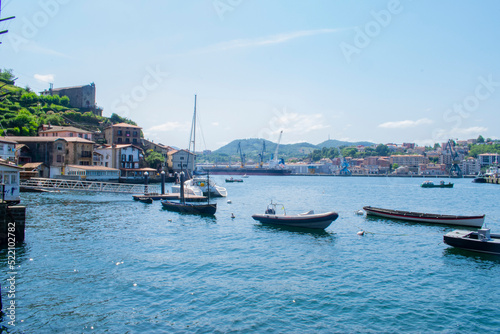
(145, 199)
(480, 241)
(304, 220)
(430, 184)
(245, 176)
(474, 221)
(231, 179)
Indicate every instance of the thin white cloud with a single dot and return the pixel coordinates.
(169, 126)
(472, 132)
(265, 41)
(48, 78)
(405, 124)
(33, 47)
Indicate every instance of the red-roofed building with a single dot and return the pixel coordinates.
(122, 133)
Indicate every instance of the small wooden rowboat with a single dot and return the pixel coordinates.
(474, 221)
(480, 241)
(304, 220)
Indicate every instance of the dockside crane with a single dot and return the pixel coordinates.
(275, 162)
(242, 155)
(261, 154)
(344, 170)
(455, 168)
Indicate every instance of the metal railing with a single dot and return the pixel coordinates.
(95, 186)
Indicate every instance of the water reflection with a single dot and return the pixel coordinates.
(478, 257)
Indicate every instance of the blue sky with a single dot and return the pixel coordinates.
(380, 71)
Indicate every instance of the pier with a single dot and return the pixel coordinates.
(44, 184)
(12, 223)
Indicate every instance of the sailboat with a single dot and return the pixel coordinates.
(182, 206)
(199, 184)
(194, 208)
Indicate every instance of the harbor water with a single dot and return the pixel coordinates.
(103, 263)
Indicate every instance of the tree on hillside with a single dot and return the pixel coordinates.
(382, 150)
(7, 74)
(154, 159)
(480, 139)
(349, 151)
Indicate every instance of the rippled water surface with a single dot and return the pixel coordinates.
(105, 263)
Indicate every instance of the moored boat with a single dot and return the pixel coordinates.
(202, 209)
(304, 220)
(430, 184)
(473, 221)
(480, 241)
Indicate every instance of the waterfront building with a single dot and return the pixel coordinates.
(56, 152)
(9, 179)
(122, 133)
(180, 160)
(432, 169)
(7, 149)
(470, 166)
(23, 154)
(486, 159)
(408, 160)
(92, 173)
(125, 157)
(63, 131)
(34, 169)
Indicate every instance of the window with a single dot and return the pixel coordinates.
(130, 157)
(119, 140)
(119, 132)
(134, 140)
(182, 158)
(59, 147)
(86, 136)
(71, 134)
(127, 140)
(127, 133)
(59, 158)
(135, 133)
(79, 135)
(124, 157)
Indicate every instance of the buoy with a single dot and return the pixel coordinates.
(229, 201)
(361, 233)
(232, 215)
(360, 212)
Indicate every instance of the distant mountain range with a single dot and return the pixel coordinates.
(252, 147)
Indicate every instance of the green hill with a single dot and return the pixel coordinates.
(338, 143)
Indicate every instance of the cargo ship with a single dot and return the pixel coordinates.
(247, 170)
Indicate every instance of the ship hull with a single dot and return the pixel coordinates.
(247, 171)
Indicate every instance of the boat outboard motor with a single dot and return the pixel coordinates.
(270, 211)
(483, 234)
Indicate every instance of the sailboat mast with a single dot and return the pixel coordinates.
(193, 131)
